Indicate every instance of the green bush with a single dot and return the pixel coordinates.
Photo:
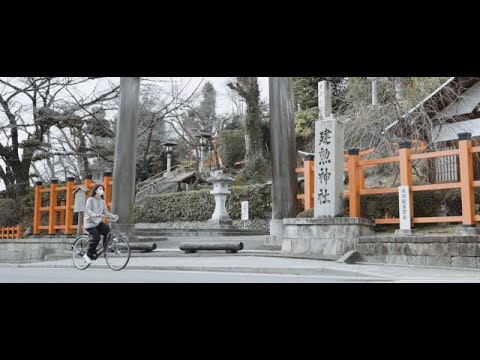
(231, 147)
(178, 206)
(425, 204)
(306, 214)
(28, 201)
(9, 213)
(200, 205)
(453, 201)
(259, 201)
(257, 169)
(377, 206)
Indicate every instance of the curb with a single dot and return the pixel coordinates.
(325, 271)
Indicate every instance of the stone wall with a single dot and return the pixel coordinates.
(426, 250)
(254, 224)
(35, 249)
(328, 237)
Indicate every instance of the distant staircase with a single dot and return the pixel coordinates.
(160, 183)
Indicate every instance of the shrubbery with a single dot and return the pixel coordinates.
(200, 205)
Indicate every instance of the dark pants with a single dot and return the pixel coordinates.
(101, 229)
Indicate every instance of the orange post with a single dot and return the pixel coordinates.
(308, 163)
(51, 211)
(361, 177)
(62, 214)
(353, 182)
(69, 204)
(37, 216)
(404, 154)
(466, 179)
(107, 182)
(19, 231)
(88, 182)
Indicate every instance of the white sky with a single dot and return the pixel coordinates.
(220, 85)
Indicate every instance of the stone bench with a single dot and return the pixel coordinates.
(192, 247)
(143, 247)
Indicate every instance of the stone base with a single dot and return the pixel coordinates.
(329, 237)
(467, 230)
(220, 224)
(405, 232)
(276, 233)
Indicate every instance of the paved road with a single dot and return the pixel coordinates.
(35, 275)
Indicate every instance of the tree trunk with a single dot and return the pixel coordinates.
(283, 149)
(123, 192)
(253, 141)
(247, 88)
(82, 149)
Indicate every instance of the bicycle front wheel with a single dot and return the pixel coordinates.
(117, 253)
(79, 248)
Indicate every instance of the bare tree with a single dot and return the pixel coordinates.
(32, 107)
(409, 109)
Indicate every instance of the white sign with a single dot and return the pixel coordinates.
(80, 199)
(244, 210)
(404, 207)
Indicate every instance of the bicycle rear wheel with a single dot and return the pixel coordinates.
(79, 248)
(117, 253)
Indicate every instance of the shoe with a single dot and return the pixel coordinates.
(87, 259)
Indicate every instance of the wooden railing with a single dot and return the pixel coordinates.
(65, 209)
(11, 232)
(355, 167)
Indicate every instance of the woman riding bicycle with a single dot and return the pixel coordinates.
(95, 209)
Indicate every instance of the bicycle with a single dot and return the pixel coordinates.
(115, 249)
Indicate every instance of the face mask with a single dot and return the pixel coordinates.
(99, 192)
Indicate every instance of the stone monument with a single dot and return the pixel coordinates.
(330, 233)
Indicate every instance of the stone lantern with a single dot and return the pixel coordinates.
(220, 218)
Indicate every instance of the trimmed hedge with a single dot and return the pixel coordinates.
(425, 204)
(200, 205)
